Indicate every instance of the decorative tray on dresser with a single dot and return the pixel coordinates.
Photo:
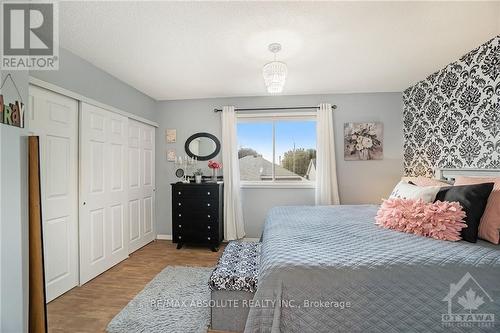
(198, 214)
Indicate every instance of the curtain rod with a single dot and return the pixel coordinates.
(280, 108)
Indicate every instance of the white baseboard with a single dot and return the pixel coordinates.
(164, 237)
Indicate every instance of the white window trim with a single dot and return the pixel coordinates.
(276, 116)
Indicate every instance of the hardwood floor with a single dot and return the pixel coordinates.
(91, 307)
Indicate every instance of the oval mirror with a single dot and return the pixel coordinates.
(202, 146)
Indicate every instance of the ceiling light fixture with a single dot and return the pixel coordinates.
(275, 72)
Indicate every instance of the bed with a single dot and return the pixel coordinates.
(331, 269)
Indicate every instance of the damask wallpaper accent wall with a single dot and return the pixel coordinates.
(452, 118)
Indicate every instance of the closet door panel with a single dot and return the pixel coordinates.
(135, 219)
(96, 160)
(93, 188)
(104, 191)
(54, 118)
(97, 233)
(141, 185)
(57, 259)
(117, 242)
(94, 139)
(148, 215)
(134, 193)
(148, 182)
(148, 168)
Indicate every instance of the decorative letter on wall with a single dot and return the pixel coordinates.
(11, 113)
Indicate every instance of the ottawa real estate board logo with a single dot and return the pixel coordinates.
(467, 302)
(30, 39)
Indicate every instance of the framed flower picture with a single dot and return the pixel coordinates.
(171, 156)
(170, 135)
(363, 141)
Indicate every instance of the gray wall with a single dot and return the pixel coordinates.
(359, 181)
(13, 216)
(80, 76)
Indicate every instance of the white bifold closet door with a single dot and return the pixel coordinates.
(141, 203)
(104, 226)
(54, 118)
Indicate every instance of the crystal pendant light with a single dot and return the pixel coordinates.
(274, 72)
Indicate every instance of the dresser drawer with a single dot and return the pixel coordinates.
(178, 236)
(200, 206)
(194, 191)
(190, 219)
(197, 236)
(203, 237)
(181, 226)
(211, 239)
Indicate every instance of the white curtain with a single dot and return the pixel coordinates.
(233, 214)
(327, 191)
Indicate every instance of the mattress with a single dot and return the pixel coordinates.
(331, 269)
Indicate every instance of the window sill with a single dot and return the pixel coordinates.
(289, 185)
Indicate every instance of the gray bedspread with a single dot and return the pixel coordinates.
(330, 269)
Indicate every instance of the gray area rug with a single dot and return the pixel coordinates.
(176, 300)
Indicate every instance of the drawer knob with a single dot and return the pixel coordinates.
(208, 216)
(208, 205)
(208, 227)
(180, 237)
(179, 203)
(179, 193)
(180, 225)
(208, 238)
(208, 193)
(180, 215)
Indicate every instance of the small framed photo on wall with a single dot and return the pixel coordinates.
(171, 155)
(171, 135)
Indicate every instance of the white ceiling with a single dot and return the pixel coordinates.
(179, 50)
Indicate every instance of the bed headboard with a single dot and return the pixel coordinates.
(450, 174)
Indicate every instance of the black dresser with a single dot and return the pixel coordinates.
(198, 214)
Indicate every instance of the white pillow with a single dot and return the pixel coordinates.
(404, 190)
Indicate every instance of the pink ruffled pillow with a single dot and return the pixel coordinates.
(439, 220)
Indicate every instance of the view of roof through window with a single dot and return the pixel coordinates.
(295, 150)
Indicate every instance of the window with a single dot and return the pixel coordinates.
(277, 149)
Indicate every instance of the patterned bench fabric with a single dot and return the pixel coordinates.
(238, 268)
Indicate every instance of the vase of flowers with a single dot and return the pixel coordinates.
(215, 166)
(197, 176)
(364, 154)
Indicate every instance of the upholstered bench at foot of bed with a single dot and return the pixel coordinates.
(233, 284)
